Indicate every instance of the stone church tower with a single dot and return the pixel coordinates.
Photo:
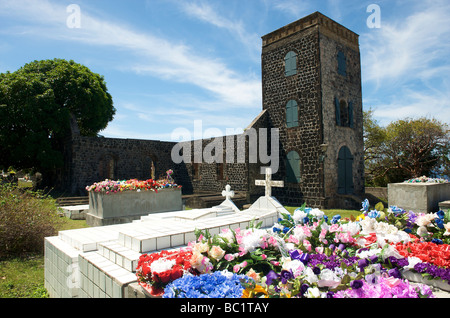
(311, 85)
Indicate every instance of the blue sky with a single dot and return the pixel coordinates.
(168, 63)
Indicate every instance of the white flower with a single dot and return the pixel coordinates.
(295, 266)
(313, 292)
(162, 265)
(422, 231)
(390, 250)
(299, 216)
(251, 239)
(228, 235)
(328, 278)
(425, 219)
(316, 213)
(351, 227)
(310, 276)
(368, 253)
(412, 261)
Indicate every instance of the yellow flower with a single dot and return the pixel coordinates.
(360, 217)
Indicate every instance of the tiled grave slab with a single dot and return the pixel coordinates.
(101, 261)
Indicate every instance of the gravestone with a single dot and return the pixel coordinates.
(126, 206)
(418, 197)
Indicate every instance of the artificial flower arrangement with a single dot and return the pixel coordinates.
(154, 271)
(308, 255)
(116, 186)
(425, 179)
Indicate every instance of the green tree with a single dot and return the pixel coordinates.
(37, 102)
(405, 149)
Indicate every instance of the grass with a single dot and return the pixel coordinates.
(23, 277)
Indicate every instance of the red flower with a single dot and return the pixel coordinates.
(437, 254)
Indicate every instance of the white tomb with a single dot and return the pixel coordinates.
(100, 262)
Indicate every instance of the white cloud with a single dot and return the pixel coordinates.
(405, 64)
(293, 8)
(409, 47)
(158, 56)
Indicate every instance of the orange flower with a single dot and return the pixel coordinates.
(252, 292)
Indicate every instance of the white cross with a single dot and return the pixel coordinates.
(227, 193)
(268, 183)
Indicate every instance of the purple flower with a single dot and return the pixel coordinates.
(285, 276)
(271, 276)
(356, 284)
(363, 263)
(303, 289)
(395, 273)
(304, 258)
(294, 254)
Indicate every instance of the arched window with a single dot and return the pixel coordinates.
(291, 114)
(344, 113)
(293, 167)
(345, 171)
(290, 64)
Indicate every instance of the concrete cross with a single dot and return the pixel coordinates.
(268, 183)
(227, 193)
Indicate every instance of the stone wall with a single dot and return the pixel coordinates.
(304, 88)
(94, 159)
(348, 89)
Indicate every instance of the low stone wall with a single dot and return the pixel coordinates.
(379, 192)
(418, 197)
(124, 207)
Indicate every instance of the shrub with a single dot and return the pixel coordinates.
(26, 218)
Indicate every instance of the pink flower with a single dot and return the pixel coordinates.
(229, 257)
(263, 256)
(273, 241)
(307, 245)
(292, 239)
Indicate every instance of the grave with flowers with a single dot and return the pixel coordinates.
(421, 194)
(122, 201)
(262, 252)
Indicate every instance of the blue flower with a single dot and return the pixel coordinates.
(335, 219)
(439, 223)
(441, 214)
(215, 285)
(373, 214)
(365, 205)
(437, 241)
(276, 230)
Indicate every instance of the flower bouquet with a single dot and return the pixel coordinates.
(156, 270)
(305, 255)
(110, 186)
(219, 284)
